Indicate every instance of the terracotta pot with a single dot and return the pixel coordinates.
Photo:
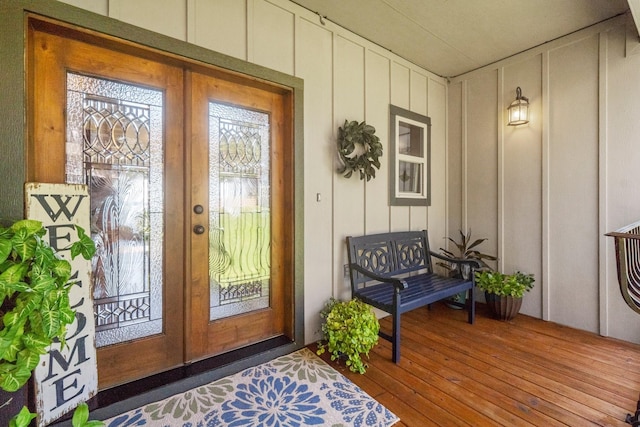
(503, 307)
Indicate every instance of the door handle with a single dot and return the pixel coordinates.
(198, 209)
(198, 229)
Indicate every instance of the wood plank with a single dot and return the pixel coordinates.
(483, 381)
(523, 372)
(569, 392)
(559, 367)
(542, 390)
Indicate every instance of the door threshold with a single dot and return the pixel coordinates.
(111, 402)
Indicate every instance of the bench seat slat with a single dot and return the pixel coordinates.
(422, 290)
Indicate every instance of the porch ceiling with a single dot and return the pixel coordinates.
(452, 37)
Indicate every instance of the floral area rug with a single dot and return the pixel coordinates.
(298, 389)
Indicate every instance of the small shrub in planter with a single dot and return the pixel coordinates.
(504, 292)
(464, 249)
(350, 329)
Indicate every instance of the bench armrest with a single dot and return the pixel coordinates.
(471, 262)
(397, 283)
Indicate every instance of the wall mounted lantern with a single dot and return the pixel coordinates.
(519, 110)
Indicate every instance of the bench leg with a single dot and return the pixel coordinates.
(472, 305)
(395, 338)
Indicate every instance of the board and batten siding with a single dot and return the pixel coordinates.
(545, 193)
(345, 77)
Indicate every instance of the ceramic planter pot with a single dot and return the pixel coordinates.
(503, 307)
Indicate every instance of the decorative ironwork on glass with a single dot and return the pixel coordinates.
(239, 217)
(116, 132)
(114, 145)
(240, 147)
(240, 291)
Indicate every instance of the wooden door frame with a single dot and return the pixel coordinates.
(14, 111)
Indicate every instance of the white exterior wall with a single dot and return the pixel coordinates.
(546, 193)
(345, 77)
(543, 194)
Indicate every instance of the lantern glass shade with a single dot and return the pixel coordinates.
(519, 110)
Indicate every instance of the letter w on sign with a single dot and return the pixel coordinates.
(56, 204)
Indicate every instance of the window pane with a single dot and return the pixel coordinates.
(410, 177)
(410, 139)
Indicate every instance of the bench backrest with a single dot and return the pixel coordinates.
(389, 254)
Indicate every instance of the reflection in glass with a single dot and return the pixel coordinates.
(410, 177)
(114, 145)
(239, 210)
(410, 139)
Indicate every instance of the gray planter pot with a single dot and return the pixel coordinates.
(503, 307)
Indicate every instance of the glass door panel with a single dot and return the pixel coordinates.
(114, 145)
(239, 210)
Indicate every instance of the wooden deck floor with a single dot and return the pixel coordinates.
(520, 373)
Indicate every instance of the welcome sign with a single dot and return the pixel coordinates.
(66, 376)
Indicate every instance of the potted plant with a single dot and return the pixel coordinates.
(34, 302)
(504, 292)
(464, 249)
(350, 329)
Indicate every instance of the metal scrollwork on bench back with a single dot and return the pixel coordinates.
(382, 257)
(376, 258)
(627, 244)
(412, 253)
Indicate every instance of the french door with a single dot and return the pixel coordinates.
(190, 178)
(240, 194)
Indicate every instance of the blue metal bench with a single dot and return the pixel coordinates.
(394, 273)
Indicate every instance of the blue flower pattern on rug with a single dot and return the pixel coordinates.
(298, 389)
(271, 402)
(356, 406)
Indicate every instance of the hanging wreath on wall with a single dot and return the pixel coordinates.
(359, 149)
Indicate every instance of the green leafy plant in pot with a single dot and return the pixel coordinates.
(34, 301)
(466, 248)
(350, 329)
(504, 292)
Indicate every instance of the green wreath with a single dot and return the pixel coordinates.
(359, 149)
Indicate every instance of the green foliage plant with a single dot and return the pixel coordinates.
(466, 248)
(34, 300)
(23, 418)
(350, 329)
(81, 417)
(359, 149)
(514, 285)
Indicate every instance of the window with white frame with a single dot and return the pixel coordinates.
(410, 139)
